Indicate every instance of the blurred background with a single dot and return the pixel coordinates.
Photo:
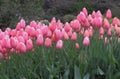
(11, 11)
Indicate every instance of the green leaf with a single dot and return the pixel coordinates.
(100, 71)
(76, 73)
(87, 76)
(66, 74)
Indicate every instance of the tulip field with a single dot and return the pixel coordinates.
(87, 47)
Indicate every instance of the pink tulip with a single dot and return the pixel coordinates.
(1, 56)
(67, 27)
(48, 42)
(86, 41)
(13, 42)
(49, 33)
(108, 14)
(31, 31)
(29, 44)
(22, 23)
(116, 21)
(77, 45)
(21, 47)
(70, 33)
(59, 25)
(75, 25)
(84, 10)
(66, 37)
(40, 40)
(106, 24)
(58, 34)
(33, 24)
(59, 44)
(74, 36)
(98, 14)
(109, 32)
(52, 25)
(101, 31)
(20, 39)
(86, 33)
(81, 17)
(13, 32)
(25, 36)
(93, 14)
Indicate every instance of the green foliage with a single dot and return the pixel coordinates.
(83, 3)
(13, 10)
(68, 17)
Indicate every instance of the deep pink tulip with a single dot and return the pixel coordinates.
(48, 42)
(40, 40)
(59, 44)
(86, 41)
(108, 14)
(29, 44)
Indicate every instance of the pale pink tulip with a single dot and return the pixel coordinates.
(77, 45)
(86, 41)
(74, 36)
(59, 44)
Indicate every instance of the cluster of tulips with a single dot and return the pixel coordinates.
(21, 39)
